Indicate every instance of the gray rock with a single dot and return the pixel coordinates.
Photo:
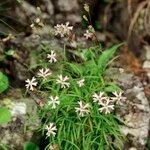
(73, 18)
(136, 114)
(67, 5)
(24, 117)
(50, 7)
(19, 109)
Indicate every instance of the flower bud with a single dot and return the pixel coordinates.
(86, 8)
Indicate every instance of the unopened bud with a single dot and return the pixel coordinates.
(85, 18)
(32, 25)
(86, 8)
(37, 20)
(91, 29)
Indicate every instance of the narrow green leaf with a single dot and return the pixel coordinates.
(3, 82)
(75, 68)
(112, 88)
(106, 56)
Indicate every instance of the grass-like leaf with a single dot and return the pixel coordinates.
(106, 56)
(3, 82)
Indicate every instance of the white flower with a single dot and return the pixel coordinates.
(31, 83)
(44, 72)
(99, 97)
(118, 98)
(107, 107)
(54, 101)
(51, 128)
(63, 29)
(83, 108)
(62, 81)
(81, 82)
(52, 57)
(88, 34)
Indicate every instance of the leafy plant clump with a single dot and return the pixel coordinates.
(77, 108)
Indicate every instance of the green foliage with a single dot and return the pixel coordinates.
(4, 147)
(111, 87)
(3, 82)
(148, 143)
(106, 56)
(5, 115)
(30, 146)
(95, 130)
(10, 52)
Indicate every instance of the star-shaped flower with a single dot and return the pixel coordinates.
(83, 108)
(51, 128)
(119, 99)
(54, 101)
(63, 81)
(88, 34)
(31, 83)
(106, 107)
(52, 57)
(44, 73)
(99, 98)
(80, 82)
(62, 30)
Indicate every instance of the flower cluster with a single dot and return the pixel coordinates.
(42, 73)
(106, 106)
(83, 107)
(62, 30)
(107, 103)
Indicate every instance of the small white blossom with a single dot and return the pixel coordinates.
(118, 98)
(63, 29)
(51, 128)
(63, 81)
(44, 73)
(54, 101)
(88, 34)
(80, 82)
(31, 83)
(52, 57)
(99, 97)
(83, 109)
(106, 107)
